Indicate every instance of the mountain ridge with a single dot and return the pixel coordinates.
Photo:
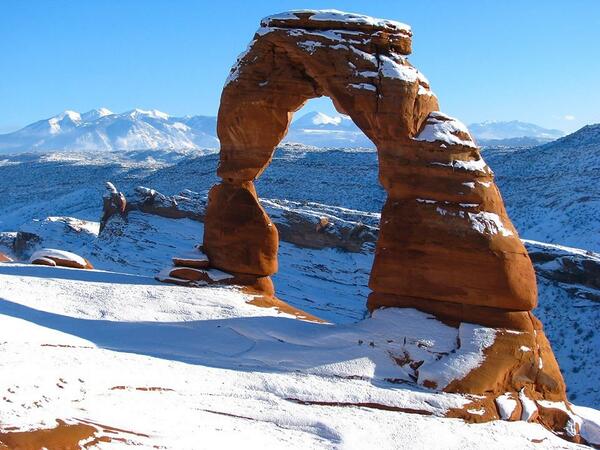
(101, 129)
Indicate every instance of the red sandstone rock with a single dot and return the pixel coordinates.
(195, 259)
(238, 235)
(48, 256)
(43, 262)
(445, 234)
(446, 245)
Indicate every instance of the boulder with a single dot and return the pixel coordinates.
(114, 202)
(195, 259)
(61, 258)
(43, 261)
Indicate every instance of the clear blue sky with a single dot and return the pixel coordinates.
(537, 61)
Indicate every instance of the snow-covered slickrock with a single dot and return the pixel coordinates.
(446, 244)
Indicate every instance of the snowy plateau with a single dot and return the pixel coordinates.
(151, 365)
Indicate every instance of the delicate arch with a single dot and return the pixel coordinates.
(446, 245)
(445, 238)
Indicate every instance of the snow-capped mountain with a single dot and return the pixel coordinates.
(322, 130)
(101, 129)
(512, 133)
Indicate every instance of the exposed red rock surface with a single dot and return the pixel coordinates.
(63, 436)
(446, 244)
(445, 235)
(4, 258)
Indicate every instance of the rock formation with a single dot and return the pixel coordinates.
(446, 245)
(4, 258)
(114, 202)
(303, 225)
(52, 257)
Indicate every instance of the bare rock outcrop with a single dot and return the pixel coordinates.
(572, 267)
(113, 202)
(309, 225)
(61, 258)
(4, 258)
(446, 244)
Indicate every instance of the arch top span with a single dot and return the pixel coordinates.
(357, 61)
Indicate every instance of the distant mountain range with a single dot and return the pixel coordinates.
(321, 130)
(512, 134)
(101, 129)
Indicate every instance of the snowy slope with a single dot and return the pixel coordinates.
(331, 283)
(102, 130)
(552, 191)
(549, 192)
(201, 368)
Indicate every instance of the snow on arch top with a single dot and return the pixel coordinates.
(332, 19)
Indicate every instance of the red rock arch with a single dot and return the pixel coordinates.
(446, 244)
(446, 240)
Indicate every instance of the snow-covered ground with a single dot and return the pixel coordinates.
(234, 367)
(182, 368)
(549, 191)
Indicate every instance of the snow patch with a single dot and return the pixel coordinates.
(506, 406)
(529, 407)
(390, 68)
(490, 223)
(443, 128)
(366, 86)
(310, 46)
(590, 423)
(334, 15)
(474, 339)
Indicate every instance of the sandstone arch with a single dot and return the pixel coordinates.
(445, 235)
(446, 244)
